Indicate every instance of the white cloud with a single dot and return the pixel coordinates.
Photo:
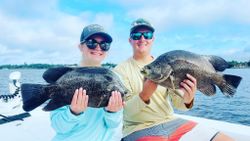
(45, 34)
(238, 55)
(104, 19)
(232, 51)
(29, 8)
(37, 31)
(4, 50)
(188, 12)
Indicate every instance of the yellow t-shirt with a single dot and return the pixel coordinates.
(138, 115)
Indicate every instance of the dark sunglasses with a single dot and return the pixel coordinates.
(138, 35)
(92, 44)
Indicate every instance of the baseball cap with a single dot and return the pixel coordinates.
(141, 23)
(92, 30)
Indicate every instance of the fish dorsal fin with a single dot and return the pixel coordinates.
(53, 74)
(218, 63)
(209, 90)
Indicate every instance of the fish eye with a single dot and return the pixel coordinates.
(148, 67)
(108, 78)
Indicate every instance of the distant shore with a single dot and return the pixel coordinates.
(232, 65)
(46, 66)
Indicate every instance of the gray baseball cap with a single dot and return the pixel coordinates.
(141, 23)
(92, 30)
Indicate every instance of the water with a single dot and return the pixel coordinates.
(218, 107)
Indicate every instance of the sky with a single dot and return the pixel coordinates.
(48, 31)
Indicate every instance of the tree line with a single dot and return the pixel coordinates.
(232, 64)
(236, 64)
(46, 66)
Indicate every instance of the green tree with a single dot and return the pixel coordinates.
(232, 64)
(109, 65)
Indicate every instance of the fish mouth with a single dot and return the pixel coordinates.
(159, 78)
(144, 72)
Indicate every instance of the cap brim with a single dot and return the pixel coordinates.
(142, 26)
(107, 37)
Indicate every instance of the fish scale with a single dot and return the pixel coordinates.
(63, 81)
(170, 69)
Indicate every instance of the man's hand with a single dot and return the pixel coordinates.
(149, 88)
(189, 87)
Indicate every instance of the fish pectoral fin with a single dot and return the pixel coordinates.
(53, 74)
(208, 90)
(100, 102)
(52, 105)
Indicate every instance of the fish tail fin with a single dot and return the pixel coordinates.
(232, 82)
(33, 95)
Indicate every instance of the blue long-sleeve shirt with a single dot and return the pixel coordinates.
(95, 124)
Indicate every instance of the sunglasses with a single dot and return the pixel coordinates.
(138, 35)
(92, 44)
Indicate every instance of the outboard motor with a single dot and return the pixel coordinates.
(10, 102)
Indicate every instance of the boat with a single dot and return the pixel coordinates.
(16, 124)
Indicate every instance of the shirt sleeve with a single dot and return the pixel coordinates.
(134, 104)
(63, 121)
(112, 119)
(177, 101)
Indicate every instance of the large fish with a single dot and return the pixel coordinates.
(63, 81)
(170, 68)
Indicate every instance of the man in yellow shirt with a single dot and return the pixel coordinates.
(148, 114)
